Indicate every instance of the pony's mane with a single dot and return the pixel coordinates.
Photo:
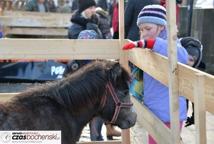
(82, 88)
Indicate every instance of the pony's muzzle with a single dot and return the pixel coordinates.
(129, 121)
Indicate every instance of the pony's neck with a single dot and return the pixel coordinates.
(80, 94)
(84, 102)
(87, 115)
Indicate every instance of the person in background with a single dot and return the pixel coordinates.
(104, 23)
(84, 18)
(194, 49)
(74, 5)
(178, 3)
(103, 4)
(65, 8)
(152, 23)
(115, 19)
(37, 6)
(52, 6)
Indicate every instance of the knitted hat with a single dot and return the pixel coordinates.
(152, 14)
(88, 34)
(84, 4)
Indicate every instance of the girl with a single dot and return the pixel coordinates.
(152, 24)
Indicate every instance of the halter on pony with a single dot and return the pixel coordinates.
(118, 103)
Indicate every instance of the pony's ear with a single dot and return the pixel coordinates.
(115, 72)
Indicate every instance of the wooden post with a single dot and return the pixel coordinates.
(199, 107)
(123, 54)
(173, 71)
(123, 59)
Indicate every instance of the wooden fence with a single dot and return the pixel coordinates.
(34, 23)
(181, 79)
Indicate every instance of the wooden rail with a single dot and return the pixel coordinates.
(34, 23)
(59, 49)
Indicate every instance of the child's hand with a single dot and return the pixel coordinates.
(133, 44)
(141, 44)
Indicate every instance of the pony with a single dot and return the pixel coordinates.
(100, 88)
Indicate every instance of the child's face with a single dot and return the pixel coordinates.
(150, 30)
(191, 60)
(90, 11)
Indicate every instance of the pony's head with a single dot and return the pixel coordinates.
(117, 106)
(105, 85)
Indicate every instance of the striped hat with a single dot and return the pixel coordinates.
(152, 14)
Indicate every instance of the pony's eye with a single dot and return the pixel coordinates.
(124, 92)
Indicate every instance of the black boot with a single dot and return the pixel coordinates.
(95, 129)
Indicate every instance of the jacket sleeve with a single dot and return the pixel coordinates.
(73, 31)
(161, 45)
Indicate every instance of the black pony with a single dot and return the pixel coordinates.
(97, 89)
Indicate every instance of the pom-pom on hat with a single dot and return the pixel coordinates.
(84, 4)
(152, 14)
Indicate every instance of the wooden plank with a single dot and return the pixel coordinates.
(152, 124)
(123, 54)
(156, 66)
(152, 63)
(186, 83)
(123, 60)
(200, 112)
(34, 22)
(173, 75)
(36, 14)
(58, 49)
(36, 31)
(126, 136)
(121, 20)
(33, 19)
